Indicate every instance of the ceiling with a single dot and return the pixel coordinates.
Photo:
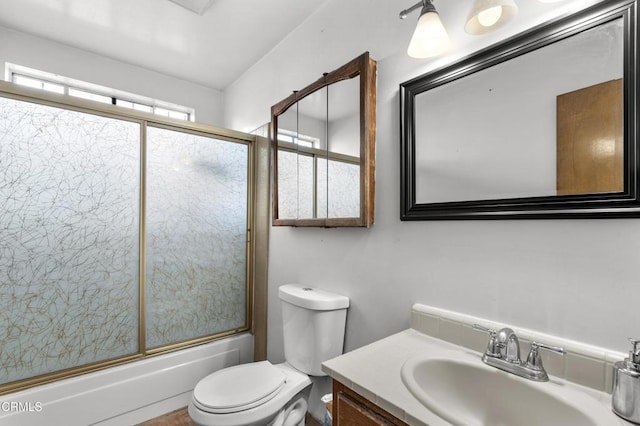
(217, 47)
(212, 49)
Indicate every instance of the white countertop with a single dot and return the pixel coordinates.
(373, 371)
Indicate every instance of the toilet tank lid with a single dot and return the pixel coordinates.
(312, 298)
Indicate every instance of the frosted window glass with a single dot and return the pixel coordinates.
(196, 236)
(344, 188)
(69, 256)
(306, 191)
(295, 185)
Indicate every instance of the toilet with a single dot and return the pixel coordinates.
(261, 393)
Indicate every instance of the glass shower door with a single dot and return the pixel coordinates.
(196, 233)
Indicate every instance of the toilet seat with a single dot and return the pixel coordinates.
(296, 384)
(239, 388)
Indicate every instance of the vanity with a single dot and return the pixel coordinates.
(433, 374)
(368, 389)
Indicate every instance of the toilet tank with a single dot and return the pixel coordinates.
(314, 324)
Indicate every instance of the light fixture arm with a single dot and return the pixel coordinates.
(421, 4)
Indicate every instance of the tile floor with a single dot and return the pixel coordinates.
(178, 417)
(181, 418)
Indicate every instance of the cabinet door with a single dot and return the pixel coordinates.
(352, 413)
(351, 409)
(590, 144)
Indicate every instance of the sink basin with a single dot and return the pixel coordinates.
(461, 389)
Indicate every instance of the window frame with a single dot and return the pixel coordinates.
(15, 72)
(315, 154)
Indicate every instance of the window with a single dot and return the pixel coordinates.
(88, 95)
(37, 83)
(297, 138)
(303, 184)
(62, 85)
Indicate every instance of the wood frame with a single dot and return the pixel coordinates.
(612, 205)
(362, 66)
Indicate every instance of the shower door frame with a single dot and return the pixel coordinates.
(256, 232)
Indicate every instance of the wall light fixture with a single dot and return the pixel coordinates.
(430, 38)
(488, 15)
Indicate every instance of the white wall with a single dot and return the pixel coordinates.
(44, 55)
(572, 278)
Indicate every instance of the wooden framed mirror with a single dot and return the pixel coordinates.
(323, 145)
(543, 125)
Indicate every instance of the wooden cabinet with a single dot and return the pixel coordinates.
(352, 409)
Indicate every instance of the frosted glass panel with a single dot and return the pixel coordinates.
(69, 256)
(344, 188)
(295, 185)
(196, 236)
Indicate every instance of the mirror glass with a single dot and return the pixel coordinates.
(302, 141)
(320, 135)
(542, 125)
(342, 167)
(294, 194)
(312, 152)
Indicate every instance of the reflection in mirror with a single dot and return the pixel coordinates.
(496, 133)
(312, 125)
(324, 144)
(302, 140)
(542, 125)
(589, 144)
(288, 165)
(343, 150)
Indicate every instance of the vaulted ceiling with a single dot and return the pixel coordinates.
(212, 49)
(216, 47)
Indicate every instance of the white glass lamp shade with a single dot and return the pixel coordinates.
(430, 38)
(487, 15)
(550, 1)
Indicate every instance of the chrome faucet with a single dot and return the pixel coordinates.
(503, 352)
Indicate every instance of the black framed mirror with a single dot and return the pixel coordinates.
(542, 125)
(323, 139)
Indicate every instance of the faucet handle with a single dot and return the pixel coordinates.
(489, 331)
(534, 360)
(493, 349)
(557, 349)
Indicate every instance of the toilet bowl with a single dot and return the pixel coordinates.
(264, 394)
(251, 395)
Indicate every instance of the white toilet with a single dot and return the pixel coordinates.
(260, 393)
